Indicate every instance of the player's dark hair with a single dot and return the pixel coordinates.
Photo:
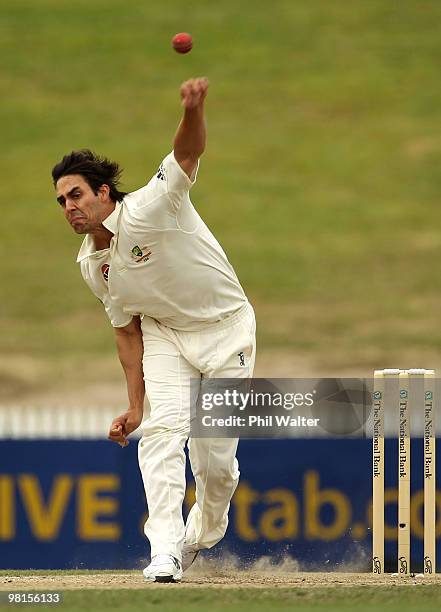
(95, 170)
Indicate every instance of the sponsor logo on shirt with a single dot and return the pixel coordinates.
(141, 254)
(161, 173)
(105, 272)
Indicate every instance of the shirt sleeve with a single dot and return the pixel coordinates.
(177, 181)
(169, 182)
(117, 316)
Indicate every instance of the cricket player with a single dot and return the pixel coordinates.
(179, 313)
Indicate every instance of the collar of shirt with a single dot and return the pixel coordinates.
(111, 222)
(88, 246)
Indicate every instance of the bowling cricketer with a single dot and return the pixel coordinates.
(179, 313)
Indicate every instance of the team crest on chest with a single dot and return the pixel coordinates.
(140, 253)
(105, 271)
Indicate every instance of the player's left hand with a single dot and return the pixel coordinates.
(193, 92)
(123, 425)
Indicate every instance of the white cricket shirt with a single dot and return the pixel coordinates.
(163, 261)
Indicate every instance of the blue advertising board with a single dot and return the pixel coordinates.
(81, 504)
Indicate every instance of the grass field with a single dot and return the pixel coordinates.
(321, 177)
(424, 599)
(314, 592)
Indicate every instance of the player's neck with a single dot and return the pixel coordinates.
(102, 238)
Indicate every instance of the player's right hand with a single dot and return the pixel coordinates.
(123, 425)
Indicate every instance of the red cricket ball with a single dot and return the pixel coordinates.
(182, 42)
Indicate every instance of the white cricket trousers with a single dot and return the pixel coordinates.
(171, 359)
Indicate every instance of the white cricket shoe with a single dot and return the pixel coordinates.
(188, 556)
(163, 568)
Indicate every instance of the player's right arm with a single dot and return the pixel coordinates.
(130, 351)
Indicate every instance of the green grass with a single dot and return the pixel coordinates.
(402, 599)
(321, 177)
(394, 598)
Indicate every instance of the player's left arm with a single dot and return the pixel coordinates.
(191, 133)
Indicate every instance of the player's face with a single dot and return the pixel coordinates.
(82, 208)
